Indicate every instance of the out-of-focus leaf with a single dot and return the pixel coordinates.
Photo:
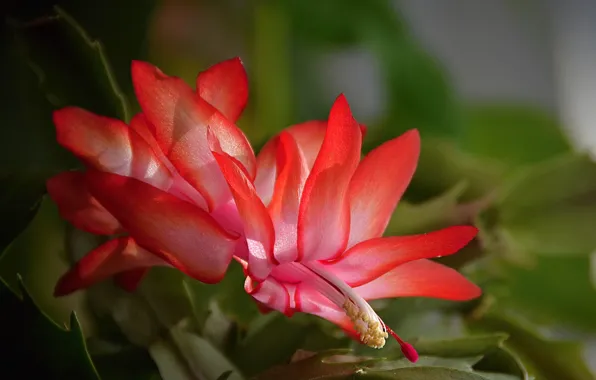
(271, 339)
(324, 28)
(163, 289)
(51, 63)
(497, 360)
(81, 74)
(204, 360)
(19, 200)
(418, 373)
(433, 214)
(171, 365)
(550, 208)
(502, 362)
(225, 376)
(129, 363)
(38, 255)
(593, 269)
(53, 351)
(547, 359)
(554, 290)
(458, 347)
(442, 166)
(513, 135)
(229, 294)
(273, 105)
(338, 364)
(419, 92)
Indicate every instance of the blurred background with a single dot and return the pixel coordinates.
(500, 90)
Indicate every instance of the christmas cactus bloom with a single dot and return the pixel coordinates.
(154, 183)
(314, 219)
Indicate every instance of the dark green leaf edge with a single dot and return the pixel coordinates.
(75, 326)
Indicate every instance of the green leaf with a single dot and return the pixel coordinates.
(340, 364)
(55, 352)
(225, 376)
(418, 373)
(38, 255)
(549, 359)
(169, 361)
(229, 294)
(514, 135)
(81, 74)
(128, 363)
(435, 213)
(19, 200)
(271, 339)
(550, 208)
(204, 360)
(542, 292)
(419, 92)
(442, 166)
(458, 347)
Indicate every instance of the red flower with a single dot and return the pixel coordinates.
(314, 219)
(155, 182)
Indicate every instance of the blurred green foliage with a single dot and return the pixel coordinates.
(507, 168)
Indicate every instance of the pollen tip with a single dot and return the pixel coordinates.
(409, 352)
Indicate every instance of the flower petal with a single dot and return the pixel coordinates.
(372, 258)
(324, 218)
(180, 187)
(180, 118)
(78, 206)
(421, 278)
(113, 257)
(131, 279)
(267, 170)
(309, 136)
(285, 203)
(269, 293)
(309, 300)
(225, 86)
(109, 145)
(233, 142)
(258, 228)
(378, 184)
(179, 232)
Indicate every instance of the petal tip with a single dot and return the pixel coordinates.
(67, 284)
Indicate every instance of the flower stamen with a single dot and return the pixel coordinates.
(371, 331)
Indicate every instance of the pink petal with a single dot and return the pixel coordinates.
(309, 136)
(372, 258)
(421, 278)
(267, 170)
(378, 184)
(180, 187)
(115, 256)
(109, 145)
(131, 279)
(269, 293)
(309, 300)
(181, 233)
(324, 218)
(234, 143)
(258, 228)
(142, 127)
(286, 198)
(225, 86)
(78, 206)
(180, 118)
